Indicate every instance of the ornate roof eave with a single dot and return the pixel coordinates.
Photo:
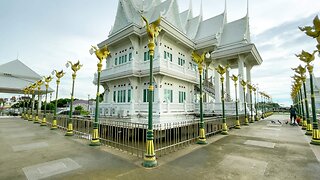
(211, 41)
(176, 33)
(122, 34)
(131, 29)
(232, 51)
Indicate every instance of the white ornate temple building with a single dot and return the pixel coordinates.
(176, 78)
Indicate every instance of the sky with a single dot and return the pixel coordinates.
(45, 34)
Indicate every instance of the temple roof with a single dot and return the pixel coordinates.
(193, 27)
(236, 31)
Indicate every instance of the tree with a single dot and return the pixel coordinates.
(78, 108)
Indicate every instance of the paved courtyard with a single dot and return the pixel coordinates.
(261, 151)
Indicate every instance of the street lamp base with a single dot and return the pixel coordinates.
(315, 142)
(304, 125)
(224, 129)
(308, 133)
(202, 137)
(246, 122)
(315, 137)
(44, 122)
(95, 142)
(309, 130)
(237, 124)
(69, 133)
(54, 125)
(149, 161)
(224, 132)
(69, 130)
(202, 141)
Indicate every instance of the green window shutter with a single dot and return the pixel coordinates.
(124, 95)
(130, 56)
(118, 97)
(114, 96)
(144, 95)
(129, 95)
(116, 61)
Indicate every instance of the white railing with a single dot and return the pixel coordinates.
(128, 109)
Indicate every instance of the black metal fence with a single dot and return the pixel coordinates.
(131, 137)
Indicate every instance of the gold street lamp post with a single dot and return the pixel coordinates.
(101, 54)
(153, 31)
(222, 70)
(199, 59)
(235, 79)
(244, 84)
(308, 58)
(47, 79)
(24, 103)
(39, 84)
(295, 95)
(28, 104)
(250, 87)
(306, 119)
(26, 92)
(59, 75)
(32, 87)
(74, 67)
(255, 90)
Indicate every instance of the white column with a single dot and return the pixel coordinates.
(228, 84)
(241, 73)
(217, 87)
(40, 103)
(248, 73)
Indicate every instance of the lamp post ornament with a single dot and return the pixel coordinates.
(235, 78)
(244, 84)
(313, 31)
(199, 59)
(59, 75)
(306, 118)
(74, 67)
(308, 58)
(101, 54)
(222, 70)
(250, 87)
(47, 79)
(39, 84)
(32, 87)
(153, 31)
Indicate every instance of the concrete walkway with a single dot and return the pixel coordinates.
(261, 151)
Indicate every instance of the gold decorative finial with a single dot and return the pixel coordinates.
(221, 69)
(153, 28)
(199, 59)
(234, 78)
(101, 53)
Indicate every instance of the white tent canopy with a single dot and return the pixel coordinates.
(14, 76)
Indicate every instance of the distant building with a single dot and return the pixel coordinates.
(85, 104)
